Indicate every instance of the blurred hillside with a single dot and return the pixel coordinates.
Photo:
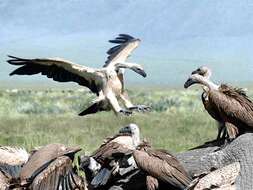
(177, 35)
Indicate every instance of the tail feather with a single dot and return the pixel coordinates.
(17, 61)
(94, 108)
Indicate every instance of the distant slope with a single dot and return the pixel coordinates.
(177, 35)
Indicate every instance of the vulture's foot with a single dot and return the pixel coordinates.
(213, 143)
(141, 108)
(224, 143)
(126, 112)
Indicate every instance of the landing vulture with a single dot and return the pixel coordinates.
(163, 170)
(107, 83)
(230, 106)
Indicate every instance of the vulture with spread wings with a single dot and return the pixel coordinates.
(107, 83)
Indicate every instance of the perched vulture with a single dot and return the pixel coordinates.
(230, 106)
(114, 152)
(11, 161)
(107, 83)
(163, 170)
(50, 167)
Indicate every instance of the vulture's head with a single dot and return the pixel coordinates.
(193, 79)
(134, 131)
(203, 71)
(133, 66)
(138, 69)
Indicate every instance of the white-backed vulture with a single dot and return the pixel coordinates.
(107, 83)
(11, 161)
(50, 167)
(230, 106)
(162, 168)
(114, 149)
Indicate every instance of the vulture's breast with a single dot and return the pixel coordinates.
(210, 107)
(115, 84)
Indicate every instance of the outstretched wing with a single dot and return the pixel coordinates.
(58, 175)
(120, 52)
(160, 169)
(59, 70)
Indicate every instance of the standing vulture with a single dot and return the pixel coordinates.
(107, 83)
(230, 106)
(163, 170)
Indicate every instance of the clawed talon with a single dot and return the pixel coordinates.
(126, 112)
(141, 108)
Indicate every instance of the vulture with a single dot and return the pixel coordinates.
(107, 83)
(114, 152)
(11, 161)
(50, 167)
(163, 170)
(231, 107)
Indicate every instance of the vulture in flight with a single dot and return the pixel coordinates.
(107, 83)
(230, 106)
(163, 170)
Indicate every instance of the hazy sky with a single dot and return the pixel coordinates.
(177, 35)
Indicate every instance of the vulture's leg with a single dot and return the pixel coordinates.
(221, 127)
(140, 108)
(125, 98)
(115, 104)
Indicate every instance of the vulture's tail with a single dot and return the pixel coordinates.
(94, 108)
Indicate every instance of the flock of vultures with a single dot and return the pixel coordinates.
(123, 161)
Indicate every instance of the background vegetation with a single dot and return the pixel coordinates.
(32, 118)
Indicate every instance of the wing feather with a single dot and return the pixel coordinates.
(109, 151)
(233, 106)
(59, 70)
(121, 52)
(58, 175)
(160, 169)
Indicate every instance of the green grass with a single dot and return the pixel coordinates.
(34, 118)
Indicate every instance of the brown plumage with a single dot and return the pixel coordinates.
(58, 175)
(127, 139)
(110, 151)
(230, 106)
(233, 107)
(42, 158)
(161, 165)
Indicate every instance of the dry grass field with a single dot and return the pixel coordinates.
(31, 118)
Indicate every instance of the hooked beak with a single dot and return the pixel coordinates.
(189, 82)
(195, 72)
(142, 73)
(125, 130)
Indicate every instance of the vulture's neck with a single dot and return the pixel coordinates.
(124, 65)
(136, 139)
(208, 84)
(208, 74)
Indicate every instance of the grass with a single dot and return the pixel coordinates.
(32, 118)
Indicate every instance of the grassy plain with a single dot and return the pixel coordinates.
(31, 118)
